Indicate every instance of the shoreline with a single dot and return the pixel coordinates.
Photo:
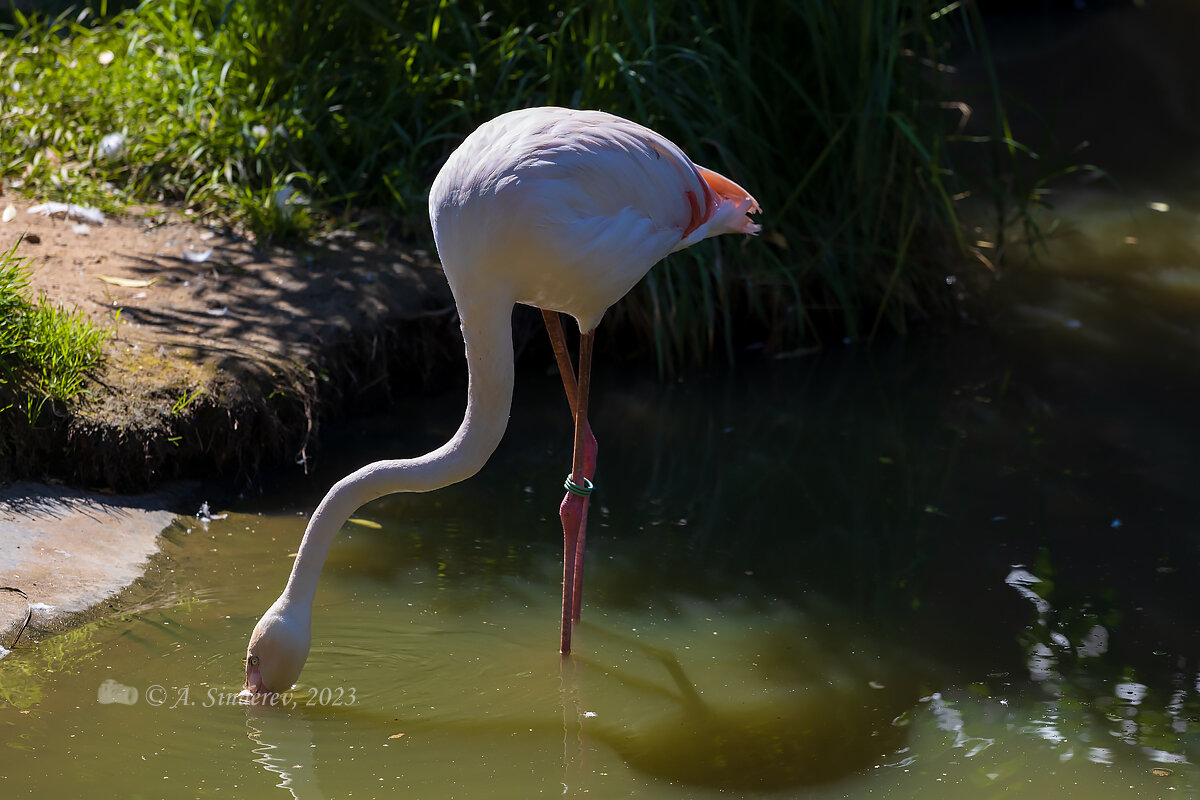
(224, 360)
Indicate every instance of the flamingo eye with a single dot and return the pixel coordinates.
(254, 661)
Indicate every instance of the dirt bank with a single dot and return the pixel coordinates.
(224, 355)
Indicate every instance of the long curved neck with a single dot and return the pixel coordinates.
(487, 333)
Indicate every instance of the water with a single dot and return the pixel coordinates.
(962, 567)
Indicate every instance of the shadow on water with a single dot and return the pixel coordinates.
(832, 730)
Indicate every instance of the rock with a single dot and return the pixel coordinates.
(69, 550)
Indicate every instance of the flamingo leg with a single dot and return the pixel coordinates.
(583, 463)
(574, 508)
(559, 344)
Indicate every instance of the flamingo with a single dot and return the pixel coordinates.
(556, 208)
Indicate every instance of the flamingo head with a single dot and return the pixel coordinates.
(277, 651)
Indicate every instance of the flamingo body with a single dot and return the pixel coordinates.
(555, 208)
(566, 210)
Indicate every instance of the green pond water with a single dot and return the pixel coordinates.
(962, 567)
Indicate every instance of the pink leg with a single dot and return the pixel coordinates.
(580, 546)
(574, 508)
(584, 463)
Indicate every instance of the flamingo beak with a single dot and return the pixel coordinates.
(254, 681)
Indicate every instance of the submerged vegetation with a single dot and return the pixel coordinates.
(46, 350)
(837, 116)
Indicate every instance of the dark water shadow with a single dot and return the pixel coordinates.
(825, 732)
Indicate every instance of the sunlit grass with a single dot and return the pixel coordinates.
(46, 350)
(835, 115)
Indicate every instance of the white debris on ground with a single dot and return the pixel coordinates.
(205, 513)
(92, 215)
(197, 256)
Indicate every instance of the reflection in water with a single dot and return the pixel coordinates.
(1063, 671)
(282, 744)
(574, 757)
(950, 719)
(24, 675)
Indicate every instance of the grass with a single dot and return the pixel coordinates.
(836, 115)
(46, 350)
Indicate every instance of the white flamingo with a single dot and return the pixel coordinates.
(559, 209)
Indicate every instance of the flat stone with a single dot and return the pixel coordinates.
(70, 550)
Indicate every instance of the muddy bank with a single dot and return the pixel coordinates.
(224, 357)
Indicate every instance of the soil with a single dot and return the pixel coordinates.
(224, 355)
